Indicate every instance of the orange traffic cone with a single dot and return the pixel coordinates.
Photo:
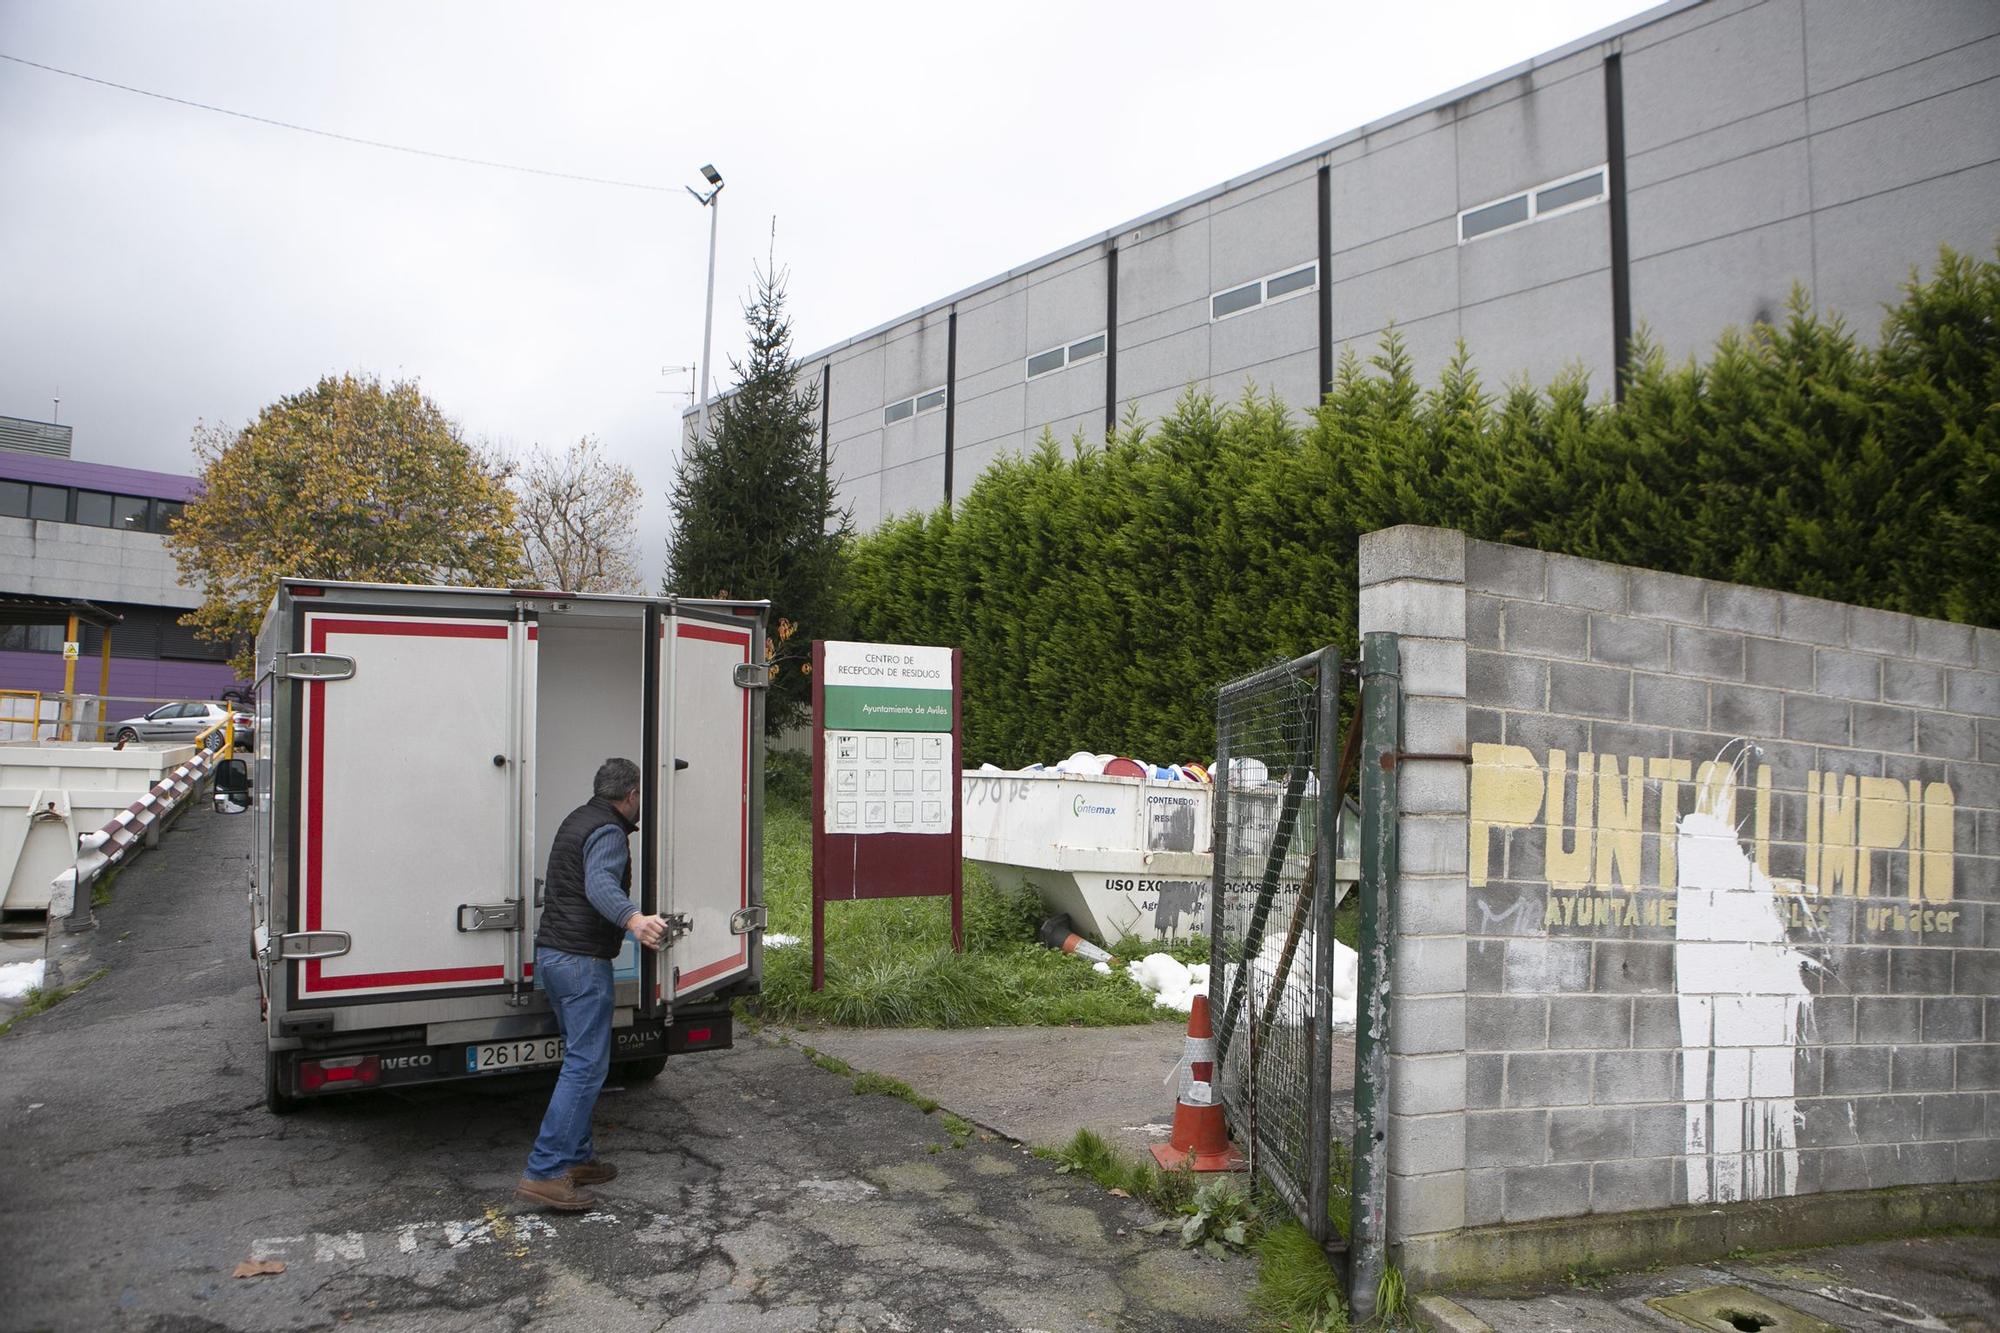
(1200, 1138)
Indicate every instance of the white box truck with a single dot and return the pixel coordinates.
(416, 749)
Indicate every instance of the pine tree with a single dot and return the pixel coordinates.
(753, 514)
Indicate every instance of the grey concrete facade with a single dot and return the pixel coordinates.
(1712, 915)
(1685, 169)
(48, 559)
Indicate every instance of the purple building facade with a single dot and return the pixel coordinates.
(90, 531)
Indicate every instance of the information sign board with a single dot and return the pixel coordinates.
(885, 789)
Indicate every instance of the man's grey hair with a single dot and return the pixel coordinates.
(616, 779)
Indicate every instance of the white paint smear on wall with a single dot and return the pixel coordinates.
(1743, 1006)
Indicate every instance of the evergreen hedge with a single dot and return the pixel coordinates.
(1102, 591)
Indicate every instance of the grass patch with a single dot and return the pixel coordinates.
(1340, 1188)
(883, 1086)
(1089, 1155)
(41, 999)
(960, 1129)
(832, 1064)
(1347, 921)
(1392, 1297)
(889, 962)
(1297, 1288)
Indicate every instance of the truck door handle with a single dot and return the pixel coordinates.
(494, 916)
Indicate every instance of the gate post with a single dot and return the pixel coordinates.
(1381, 737)
(1319, 1116)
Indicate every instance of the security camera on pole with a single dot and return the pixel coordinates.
(714, 178)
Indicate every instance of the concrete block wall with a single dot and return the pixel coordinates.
(1713, 913)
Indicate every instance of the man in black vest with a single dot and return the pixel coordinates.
(586, 912)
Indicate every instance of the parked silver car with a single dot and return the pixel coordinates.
(183, 722)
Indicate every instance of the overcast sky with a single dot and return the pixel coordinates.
(161, 264)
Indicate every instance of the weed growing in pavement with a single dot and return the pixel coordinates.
(1089, 1155)
(40, 999)
(1219, 1218)
(832, 1064)
(884, 1086)
(889, 962)
(881, 1085)
(1297, 1288)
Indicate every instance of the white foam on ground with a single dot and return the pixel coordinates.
(1172, 983)
(17, 979)
(1345, 981)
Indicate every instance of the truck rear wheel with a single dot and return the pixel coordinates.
(277, 1099)
(642, 1071)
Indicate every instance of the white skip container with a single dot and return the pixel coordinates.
(1122, 856)
(1127, 856)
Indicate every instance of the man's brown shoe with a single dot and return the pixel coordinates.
(593, 1172)
(560, 1194)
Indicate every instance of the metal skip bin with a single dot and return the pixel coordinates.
(1123, 856)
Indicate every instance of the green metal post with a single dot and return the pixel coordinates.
(1381, 738)
(1326, 850)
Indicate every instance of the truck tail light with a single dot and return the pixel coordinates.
(708, 1034)
(356, 1071)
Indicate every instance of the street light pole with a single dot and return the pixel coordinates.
(714, 178)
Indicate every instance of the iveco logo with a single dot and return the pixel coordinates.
(406, 1061)
(1082, 807)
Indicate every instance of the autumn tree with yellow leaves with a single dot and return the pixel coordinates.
(348, 480)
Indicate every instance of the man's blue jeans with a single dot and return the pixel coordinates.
(579, 990)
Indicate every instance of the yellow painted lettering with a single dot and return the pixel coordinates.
(1670, 774)
(1840, 805)
(1883, 818)
(1504, 791)
(1620, 821)
(1569, 865)
(1940, 846)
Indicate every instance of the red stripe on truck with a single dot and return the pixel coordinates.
(317, 982)
(740, 639)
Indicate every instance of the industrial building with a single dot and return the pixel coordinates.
(1676, 173)
(87, 540)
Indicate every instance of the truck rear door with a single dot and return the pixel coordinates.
(705, 820)
(411, 801)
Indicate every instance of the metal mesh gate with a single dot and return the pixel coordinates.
(1271, 926)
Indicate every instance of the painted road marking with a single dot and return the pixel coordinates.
(348, 1247)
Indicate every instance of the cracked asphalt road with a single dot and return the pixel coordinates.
(757, 1191)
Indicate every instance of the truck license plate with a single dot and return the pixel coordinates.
(488, 1057)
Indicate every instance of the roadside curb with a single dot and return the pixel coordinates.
(784, 1035)
(1447, 1316)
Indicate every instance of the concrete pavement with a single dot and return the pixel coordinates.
(758, 1191)
(1942, 1284)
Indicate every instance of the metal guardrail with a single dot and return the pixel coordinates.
(103, 848)
(69, 721)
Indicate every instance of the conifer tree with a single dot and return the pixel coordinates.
(752, 509)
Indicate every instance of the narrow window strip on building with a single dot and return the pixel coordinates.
(1294, 280)
(1548, 199)
(1061, 358)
